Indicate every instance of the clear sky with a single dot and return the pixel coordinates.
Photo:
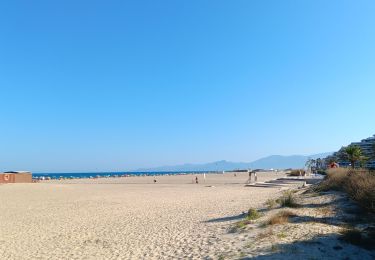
(117, 85)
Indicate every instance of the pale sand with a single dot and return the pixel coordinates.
(127, 218)
(314, 232)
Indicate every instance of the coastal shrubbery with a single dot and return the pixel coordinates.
(281, 217)
(297, 172)
(288, 200)
(253, 214)
(359, 184)
(271, 203)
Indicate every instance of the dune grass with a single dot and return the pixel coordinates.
(280, 218)
(288, 200)
(253, 214)
(271, 203)
(359, 184)
(296, 173)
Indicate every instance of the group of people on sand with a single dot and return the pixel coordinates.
(251, 173)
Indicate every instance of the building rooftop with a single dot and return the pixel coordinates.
(15, 172)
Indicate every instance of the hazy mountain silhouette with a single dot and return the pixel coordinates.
(273, 161)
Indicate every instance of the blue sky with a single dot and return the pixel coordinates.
(119, 85)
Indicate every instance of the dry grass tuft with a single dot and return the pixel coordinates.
(271, 203)
(280, 218)
(297, 172)
(359, 184)
(288, 200)
(334, 180)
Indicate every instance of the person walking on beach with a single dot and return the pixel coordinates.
(255, 177)
(196, 179)
(250, 173)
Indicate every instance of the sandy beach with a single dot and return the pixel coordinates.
(127, 218)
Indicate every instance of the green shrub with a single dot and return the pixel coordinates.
(288, 200)
(253, 214)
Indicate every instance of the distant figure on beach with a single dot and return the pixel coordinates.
(255, 177)
(155, 181)
(235, 175)
(250, 174)
(196, 179)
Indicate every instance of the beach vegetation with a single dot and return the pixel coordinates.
(359, 184)
(253, 214)
(288, 200)
(242, 223)
(271, 203)
(280, 218)
(354, 154)
(296, 172)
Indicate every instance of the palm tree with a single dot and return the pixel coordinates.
(353, 154)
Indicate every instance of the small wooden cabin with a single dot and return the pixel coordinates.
(16, 177)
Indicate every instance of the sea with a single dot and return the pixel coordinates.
(92, 175)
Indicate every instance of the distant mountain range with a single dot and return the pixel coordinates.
(270, 162)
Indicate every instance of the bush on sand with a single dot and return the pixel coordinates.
(253, 214)
(359, 184)
(297, 172)
(288, 200)
(281, 217)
